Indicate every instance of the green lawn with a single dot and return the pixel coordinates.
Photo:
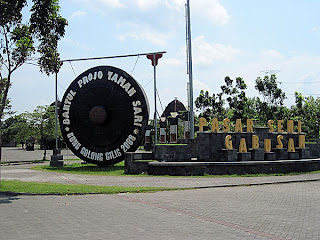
(118, 170)
(66, 189)
(86, 169)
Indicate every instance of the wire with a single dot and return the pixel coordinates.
(135, 64)
(61, 86)
(299, 82)
(160, 100)
(119, 56)
(73, 69)
(147, 83)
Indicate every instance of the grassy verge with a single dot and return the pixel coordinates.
(86, 169)
(66, 189)
(118, 170)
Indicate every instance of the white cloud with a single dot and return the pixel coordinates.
(78, 13)
(315, 29)
(271, 53)
(208, 53)
(100, 4)
(175, 4)
(76, 44)
(145, 4)
(111, 3)
(144, 33)
(198, 86)
(172, 62)
(211, 9)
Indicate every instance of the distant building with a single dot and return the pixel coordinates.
(174, 106)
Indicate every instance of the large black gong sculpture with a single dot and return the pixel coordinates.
(103, 114)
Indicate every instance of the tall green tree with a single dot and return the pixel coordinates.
(18, 39)
(16, 128)
(210, 106)
(235, 96)
(268, 88)
(307, 109)
(271, 106)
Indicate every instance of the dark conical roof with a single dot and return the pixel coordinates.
(174, 106)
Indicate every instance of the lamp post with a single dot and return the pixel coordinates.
(154, 61)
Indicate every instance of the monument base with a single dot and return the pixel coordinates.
(56, 158)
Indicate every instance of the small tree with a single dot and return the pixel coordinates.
(17, 39)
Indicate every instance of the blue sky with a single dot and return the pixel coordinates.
(230, 38)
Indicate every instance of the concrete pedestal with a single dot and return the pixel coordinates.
(56, 158)
(257, 154)
(244, 156)
(304, 153)
(281, 153)
(230, 155)
(293, 155)
(270, 156)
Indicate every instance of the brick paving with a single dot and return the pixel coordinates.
(259, 210)
(281, 211)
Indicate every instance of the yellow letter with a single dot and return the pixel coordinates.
(228, 142)
(249, 125)
(215, 125)
(238, 127)
(299, 127)
(226, 127)
(202, 122)
(291, 145)
(279, 140)
(302, 141)
(267, 145)
(271, 128)
(290, 126)
(280, 126)
(255, 142)
(243, 146)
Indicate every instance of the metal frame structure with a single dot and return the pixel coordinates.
(100, 58)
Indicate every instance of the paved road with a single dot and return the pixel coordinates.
(287, 210)
(16, 154)
(281, 211)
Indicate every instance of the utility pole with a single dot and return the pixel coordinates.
(56, 158)
(189, 67)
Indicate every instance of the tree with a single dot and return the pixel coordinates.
(42, 123)
(268, 88)
(16, 128)
(273, 97)
(17, 40)
(210, 106)
(307, 109)
(236, 97)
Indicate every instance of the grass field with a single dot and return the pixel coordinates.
(118, 170)
(69, 189)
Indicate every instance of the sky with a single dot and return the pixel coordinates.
(229, 38)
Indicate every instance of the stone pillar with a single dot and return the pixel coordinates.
(163, 132)
(186, 126)
(173, 130)
(56, 158)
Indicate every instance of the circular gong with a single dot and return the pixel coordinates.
(103, 114)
